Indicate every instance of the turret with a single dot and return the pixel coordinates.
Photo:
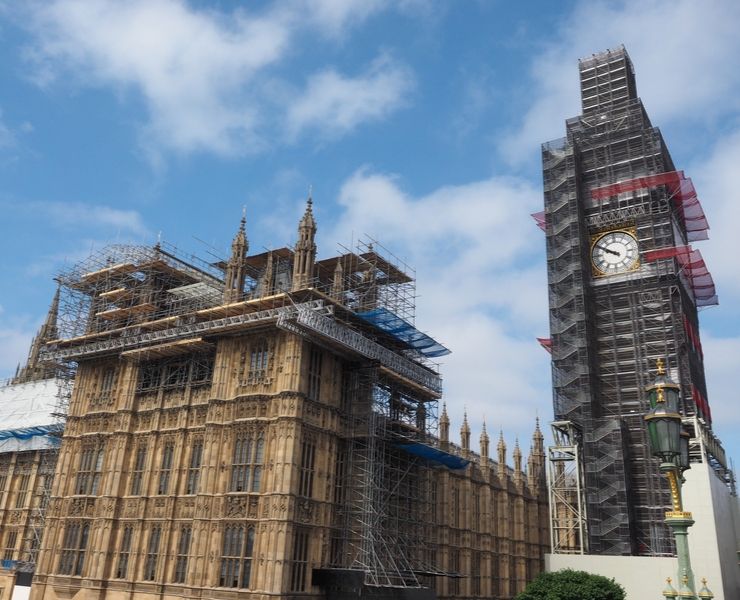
(305, 250)
(35, 369)
(337, 284)
(236, 268)
(517, 463)
(484, 446)
(501, 452)
(538, 440)
(532, 470)
(444, 425)
(465, 434)
(536, 461)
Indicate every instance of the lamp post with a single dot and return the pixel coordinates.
(670, 442)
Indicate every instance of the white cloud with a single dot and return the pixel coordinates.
(473, 247)
(87, 217)
(715, 178)
(333, 104)
(204, 76)
(188, 66)
(334, 16)
(721, 360)
(486, 221)
(682, 51)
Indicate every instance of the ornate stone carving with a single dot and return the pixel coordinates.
(235, 507)
(305, 511)
(186, 508)
(77, 507)
(203, 508)
(108, 506)
(131, 509)
(253, 508)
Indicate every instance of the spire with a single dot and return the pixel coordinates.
(49, 328)
(308, 223)
(501, 446)
(236, 274)
(337, 284)
(35, 369)
(536, 459)
(532, 470)
(484, 445)
(465, 433)
(537, 437)
(517, 463)
(483, 432)
(305, 249)
(240, 243)
(444, 425)
(517, 456)
(501, 451)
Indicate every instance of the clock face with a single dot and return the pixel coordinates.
(615, 252)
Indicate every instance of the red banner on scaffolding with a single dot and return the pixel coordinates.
(546, 343)
(693, 336)
(539, 218)
(669, 252)
(681, 190)
(701, 404)
(695, 269)
(699, 277)
(638, 183)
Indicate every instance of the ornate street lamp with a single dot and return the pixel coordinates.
(670, 442)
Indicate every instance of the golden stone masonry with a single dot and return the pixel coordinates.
(262, 427)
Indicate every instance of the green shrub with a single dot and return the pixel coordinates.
(572, 585)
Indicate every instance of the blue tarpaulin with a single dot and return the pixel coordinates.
(404, 331)
(26, 433)
(431, 454)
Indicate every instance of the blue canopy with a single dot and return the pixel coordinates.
(451, 461)
(26, 433)
(404, 331)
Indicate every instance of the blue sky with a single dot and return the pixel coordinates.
(418, 123)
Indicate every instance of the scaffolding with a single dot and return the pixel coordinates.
(37, 401)
(613, 172)
(567, 501)
(160, 309)
(64, 378)
(386, 505)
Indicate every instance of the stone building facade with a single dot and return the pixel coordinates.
(267, 433)
(24, 477)
(29, 437)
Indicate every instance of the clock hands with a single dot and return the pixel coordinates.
(614, 252)
(605, 249)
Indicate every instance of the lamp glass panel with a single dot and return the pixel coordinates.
(684, 456)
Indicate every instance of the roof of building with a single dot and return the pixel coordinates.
(27, 415)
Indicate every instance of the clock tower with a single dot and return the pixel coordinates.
(625, 284)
